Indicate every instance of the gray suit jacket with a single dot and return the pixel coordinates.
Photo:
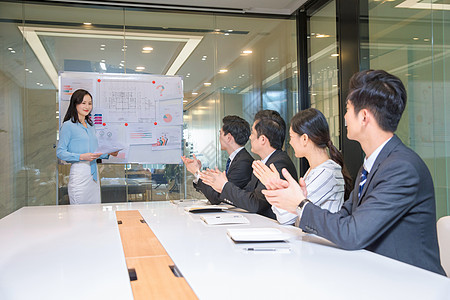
(396, 216)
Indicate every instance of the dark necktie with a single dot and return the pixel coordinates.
(228, 165)
(362, 182)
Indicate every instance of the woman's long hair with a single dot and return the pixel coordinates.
(72, 113)
(312, 122)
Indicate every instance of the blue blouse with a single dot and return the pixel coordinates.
(74, 140)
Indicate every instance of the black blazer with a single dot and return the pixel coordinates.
(250, 197)
(396, 216)
(239, 173)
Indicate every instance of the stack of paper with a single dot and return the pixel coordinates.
(227, 218)
(256, 234)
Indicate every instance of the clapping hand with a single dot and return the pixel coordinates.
(214, 178)
(288, 193)
(193, 165)
(268, 177)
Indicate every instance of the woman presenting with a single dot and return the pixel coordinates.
(77, 142)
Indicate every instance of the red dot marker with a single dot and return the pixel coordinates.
(126, 124)
(153, 82)
(104, 124)
(155, 123)
(99, 80)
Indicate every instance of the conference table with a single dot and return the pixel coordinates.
(76, 252)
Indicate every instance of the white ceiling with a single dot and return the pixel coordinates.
(281, 7)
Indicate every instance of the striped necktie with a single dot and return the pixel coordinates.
(362, 182)
(228, 165)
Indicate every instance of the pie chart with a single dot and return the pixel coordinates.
(167, 118)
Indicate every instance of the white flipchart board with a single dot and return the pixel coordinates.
(144, 113)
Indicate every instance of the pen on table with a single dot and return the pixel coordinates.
(267, 249)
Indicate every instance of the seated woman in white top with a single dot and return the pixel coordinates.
(327, 180)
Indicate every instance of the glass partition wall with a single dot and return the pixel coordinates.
(229, 64)
(410, 39)
(323, 66)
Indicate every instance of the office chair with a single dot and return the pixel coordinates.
(443, 232)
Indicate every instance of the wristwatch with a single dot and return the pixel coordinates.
(301, 205)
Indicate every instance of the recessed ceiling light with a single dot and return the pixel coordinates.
(227, 33)
(140, 68)
(102, 60)
(147, 49)
(27, 70)
(87, 23)
(415, 38)
(335, 55)
(223, 71)
(30, 71)
(207, 83)
(217, 30)
(12, 51)
(230, 30)
(102, 49)
(194, 93)
(247, 51)
(102, 45)
(184, 101)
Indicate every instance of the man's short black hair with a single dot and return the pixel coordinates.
(383, 94)
(272, 126)
(238, 128)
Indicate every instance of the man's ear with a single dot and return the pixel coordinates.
(264, 139)
(229, 137)
(364, 115)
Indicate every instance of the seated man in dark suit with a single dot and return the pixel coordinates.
(392, 209)
(233, 137)
(267, 138)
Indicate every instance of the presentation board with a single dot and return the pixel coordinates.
(143, 114)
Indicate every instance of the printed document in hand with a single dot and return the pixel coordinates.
(227, 218)
(109, 148)
(256, 234)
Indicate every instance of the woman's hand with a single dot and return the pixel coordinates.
(114, 153)
(287, 195)
(90, 156)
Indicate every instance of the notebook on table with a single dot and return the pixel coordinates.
(256, 234)
(224, 219)
(205, 208)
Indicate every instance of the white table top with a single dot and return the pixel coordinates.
(75, 252)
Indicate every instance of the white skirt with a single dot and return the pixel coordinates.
(82, 188)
